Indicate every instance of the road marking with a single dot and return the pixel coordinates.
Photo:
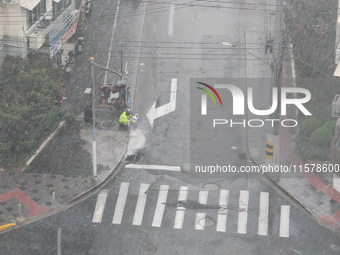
(100, 205)
(158, 216)
(59, 241)
(171, 20)
(138, 217)
(123, 191)
(263, 214)
(223, 212)
(6, 226)
(200, 217)
(179, 218)
(243, 212)
(111, 42)
(155, 113)
(284, 221)
(154, 167)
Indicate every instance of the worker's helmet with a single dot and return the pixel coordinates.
(128, 112)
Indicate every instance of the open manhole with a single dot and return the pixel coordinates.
(206, 222)
(210, 186)
(108, 123)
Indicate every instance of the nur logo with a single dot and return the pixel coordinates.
(204, 97)
(239, 99)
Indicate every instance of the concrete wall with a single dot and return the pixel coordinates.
(12, 20)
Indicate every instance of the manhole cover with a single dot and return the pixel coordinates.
(242, 156)
(210, 187)
(206, 222)
(150, 248)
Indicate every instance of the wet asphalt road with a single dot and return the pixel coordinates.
(155, 56)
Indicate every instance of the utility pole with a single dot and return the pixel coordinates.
(94, 145)
(277, 57)
(273, 141)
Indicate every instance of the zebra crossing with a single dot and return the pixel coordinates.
(222, 211)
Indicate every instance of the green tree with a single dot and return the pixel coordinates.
(28, 106)
(322, 137)
(308, 126)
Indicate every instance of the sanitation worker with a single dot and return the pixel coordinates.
(124, 118)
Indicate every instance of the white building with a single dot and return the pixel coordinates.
(30, 25)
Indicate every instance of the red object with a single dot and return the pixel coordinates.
(103, 101)
(24, 199)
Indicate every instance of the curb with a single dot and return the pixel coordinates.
(43, 145)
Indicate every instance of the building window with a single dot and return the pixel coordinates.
(58, 8)
(38, 11)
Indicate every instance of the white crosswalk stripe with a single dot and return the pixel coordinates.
(100, 205)
(182, 197)
(263, 214)
(200, 217)
(158, 216)
(138, 217)
(243, 212)
(223, 213)
(284, 221)
(117, 217)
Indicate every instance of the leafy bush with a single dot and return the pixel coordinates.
(330, 125)
(310, 151)
(321, 137)
(308, 126)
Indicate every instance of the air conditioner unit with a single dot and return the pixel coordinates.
(14, 2)
(37, 39)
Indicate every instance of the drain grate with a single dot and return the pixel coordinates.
(131, 158)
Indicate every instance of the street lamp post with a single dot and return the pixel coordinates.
(237, 47)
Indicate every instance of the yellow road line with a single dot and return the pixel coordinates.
(4, 227)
